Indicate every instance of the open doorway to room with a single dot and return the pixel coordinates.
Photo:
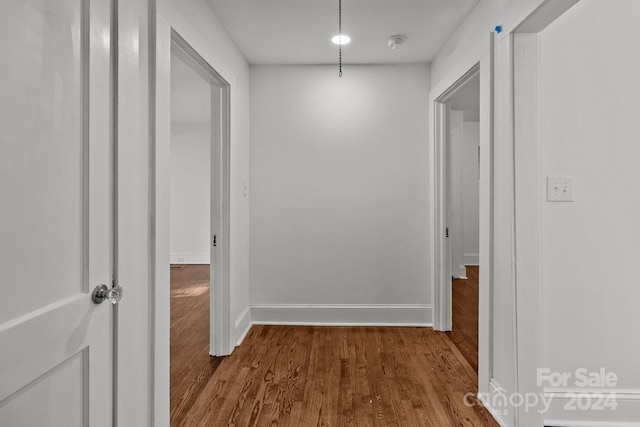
(464, 215)
(190, 230)
(459, 181)
(198, 186)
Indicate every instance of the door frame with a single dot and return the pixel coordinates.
(164, 39)
(441, 295)
(220, 195)
(528, 194)
(442, 314)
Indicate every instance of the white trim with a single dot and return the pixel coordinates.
(160, 119)
(471, 259)
(496, 392)
(527, 193)
(485, 244)
(441, 300)
(439, 247)
(559, 423)
(623, 394)
(460, 272)
(185, 258)
(441, 257)
(625, 414)
(242, 325)
(343, 314)
(547, 12)
(162, 37)
(221, 339)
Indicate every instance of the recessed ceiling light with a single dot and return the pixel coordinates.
(342, 39)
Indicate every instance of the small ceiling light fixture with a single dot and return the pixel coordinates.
(395, 41)
(341, 39)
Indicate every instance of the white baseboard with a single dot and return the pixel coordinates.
(343, 314)
(183, 258)
(243, 324)
(624, 415)
(558, 423)
(460, 272)
(497, 394)
(471, 259)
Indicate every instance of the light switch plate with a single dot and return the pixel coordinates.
(560, 189)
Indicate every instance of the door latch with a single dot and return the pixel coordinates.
(214, 241)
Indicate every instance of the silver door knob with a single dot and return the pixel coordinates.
(102, 292)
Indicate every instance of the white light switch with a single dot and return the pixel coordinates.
(560, 189)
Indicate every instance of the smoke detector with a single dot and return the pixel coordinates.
(395, 41)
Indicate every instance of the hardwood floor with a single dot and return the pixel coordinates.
(317, 376)
(464, 333)
(191, 365)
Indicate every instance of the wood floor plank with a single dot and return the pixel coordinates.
(191, 365)
(303, 376)
(464, 331)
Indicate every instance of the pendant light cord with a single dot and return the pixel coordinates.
(340, 35)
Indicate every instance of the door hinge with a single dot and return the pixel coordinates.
(447, 231)
(214, 241)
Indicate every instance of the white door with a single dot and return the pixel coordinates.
(56, 232)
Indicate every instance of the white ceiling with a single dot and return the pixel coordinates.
(299, 31)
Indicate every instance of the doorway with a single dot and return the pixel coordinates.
(190, 237)
(215, 94)
(470, 93)
(463, 187)
(193, 185)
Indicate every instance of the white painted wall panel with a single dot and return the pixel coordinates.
(470, 192)
(339, 208)
(503, 273)
(456, 188)
(465, 193)
(190, 165)
(589, 111)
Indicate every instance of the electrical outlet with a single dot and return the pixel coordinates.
(560, 189)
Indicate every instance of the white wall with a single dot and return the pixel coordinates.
(465, 193)
(339, 194)
(456, 225)
(589, 112)
(190, 165)
(196, 23)
(470, 192)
